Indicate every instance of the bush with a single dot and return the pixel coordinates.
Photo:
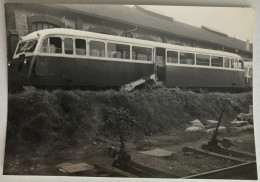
(64, 118)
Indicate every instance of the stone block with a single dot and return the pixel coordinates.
(221, 129)
(197, 123)
(238, 123)
(193, 129)
(242, 117)
(211, 124)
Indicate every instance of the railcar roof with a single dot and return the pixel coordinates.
(80, 33)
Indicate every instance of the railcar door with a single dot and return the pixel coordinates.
(160, 63)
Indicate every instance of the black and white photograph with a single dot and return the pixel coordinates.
(130, 91)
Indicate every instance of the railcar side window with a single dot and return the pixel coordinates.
(141, 53)
(97, 48)
(172, 57)
(55, 45)
(80, 46)
(240, 64)
(232, 63)
(216, 61)
(236, 63)
(120, 51)
(250, 72)
(68, 46)
(202, 59)
(226, 62)
(51, 45)
(187, 58)
(246, 71)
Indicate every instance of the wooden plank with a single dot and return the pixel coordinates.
(232, 172)
(112, 170)
(236, 154)
(213, 154)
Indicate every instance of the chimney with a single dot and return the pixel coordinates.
(247, 45)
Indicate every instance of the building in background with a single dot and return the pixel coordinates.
(134, 22)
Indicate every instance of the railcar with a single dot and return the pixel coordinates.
(248, 74)
(73, 58)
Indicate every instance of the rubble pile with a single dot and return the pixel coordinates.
(243, 122)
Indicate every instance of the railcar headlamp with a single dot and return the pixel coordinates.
(25, 61)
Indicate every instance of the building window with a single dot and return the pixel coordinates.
(41, 25)
(68, 46)
(97, 48)
(172, 57)
(187, 58)
(141, 53)
(216, 61)
(202, 60)
(120, 51)
(80, 46)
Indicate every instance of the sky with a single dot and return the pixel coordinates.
(235, 22)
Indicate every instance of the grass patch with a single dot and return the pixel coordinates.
(58, 119)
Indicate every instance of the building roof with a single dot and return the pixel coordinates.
(142, 18)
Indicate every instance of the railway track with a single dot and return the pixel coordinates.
(245, 167)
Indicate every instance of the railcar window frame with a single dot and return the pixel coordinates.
(65, 47)
(187, 52)
(119, 43)
(85, 47)
(226, 59)
(142, 46)
(178, 56)
(218, 57)
(97, 40)
(202, 54)
(49, 47)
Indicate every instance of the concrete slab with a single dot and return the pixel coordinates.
(157, 153)
(72, 168)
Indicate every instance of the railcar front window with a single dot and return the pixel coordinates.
(226, 62)
(141, 53)
(68, 46)
(187, 58)
(119, 51)
(97, 48)
(20, 47)
(202, 59)
(80, 46)
(216, 61)
(172, 57)
(30, 46)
